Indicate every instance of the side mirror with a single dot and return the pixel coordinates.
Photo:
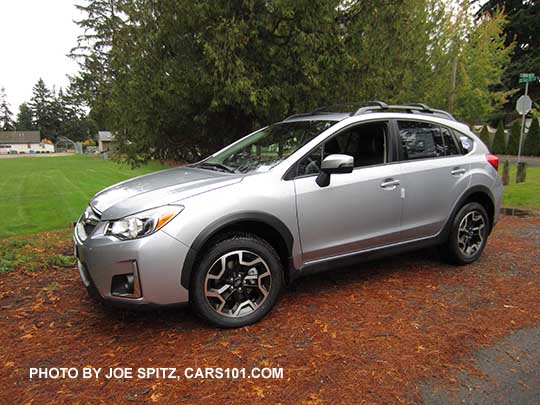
(334, 164)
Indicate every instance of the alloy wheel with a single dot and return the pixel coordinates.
(237, 283)
(471, 233)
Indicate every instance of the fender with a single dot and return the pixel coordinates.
(459, 203)
(222, 223)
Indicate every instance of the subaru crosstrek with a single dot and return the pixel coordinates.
(314, 192)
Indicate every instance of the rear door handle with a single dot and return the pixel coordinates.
(457, 171)
(390, 184)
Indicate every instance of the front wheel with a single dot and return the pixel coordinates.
(237, 282)
(468, 235)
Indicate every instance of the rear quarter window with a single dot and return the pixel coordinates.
(466, 143)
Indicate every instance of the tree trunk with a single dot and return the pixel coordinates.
(506, 173)
(521, 172)
(452, 98)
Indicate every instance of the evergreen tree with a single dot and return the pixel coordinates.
(479, 67)
(532, 141)
(6, 116)
(513, 141)
(41, 105)
(76, 125)
(94, 53)
(484, 136)
(523, 28)
(499, 142)
(24, 118)
(179, 79)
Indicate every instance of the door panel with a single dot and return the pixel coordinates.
(433, 183)
(431, 189)
(353, 213)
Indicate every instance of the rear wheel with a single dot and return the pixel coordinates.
(468, 235)
(237, 282)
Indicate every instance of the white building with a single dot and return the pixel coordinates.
(22, 142)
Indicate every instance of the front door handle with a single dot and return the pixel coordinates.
(457, 171)
(390, 184)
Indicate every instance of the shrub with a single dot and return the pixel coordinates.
(484, 136)
(513, 141)
(499, 142)
(532, 141)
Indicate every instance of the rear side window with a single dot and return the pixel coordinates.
(420, 140)
(450, 145)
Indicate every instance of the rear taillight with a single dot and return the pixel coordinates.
(493, 160)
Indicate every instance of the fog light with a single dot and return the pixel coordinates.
(126, 285)
(122, 285)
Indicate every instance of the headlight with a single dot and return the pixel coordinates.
(144, 223)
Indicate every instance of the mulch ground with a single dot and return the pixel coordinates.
(373, 334)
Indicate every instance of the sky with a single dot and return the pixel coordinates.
(36, 37)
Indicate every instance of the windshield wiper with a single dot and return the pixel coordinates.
(214, 166)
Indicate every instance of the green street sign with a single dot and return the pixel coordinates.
(527, 77)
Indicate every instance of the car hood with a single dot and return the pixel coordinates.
(157, 189)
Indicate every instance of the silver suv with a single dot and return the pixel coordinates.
(314, 192)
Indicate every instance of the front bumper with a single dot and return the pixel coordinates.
(155, 261)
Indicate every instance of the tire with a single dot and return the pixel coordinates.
(457, 250)
(222, 295)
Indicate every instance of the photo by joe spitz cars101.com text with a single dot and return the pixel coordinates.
(313, 192)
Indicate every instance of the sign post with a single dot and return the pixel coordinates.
(523, 106)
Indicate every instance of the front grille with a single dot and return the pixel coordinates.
(89, 220)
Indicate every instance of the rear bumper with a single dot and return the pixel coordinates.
(155, 261)
(497, 196)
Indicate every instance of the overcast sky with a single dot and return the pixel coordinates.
(36, 35)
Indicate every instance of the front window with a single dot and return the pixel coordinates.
(366, 143)
(266, 148)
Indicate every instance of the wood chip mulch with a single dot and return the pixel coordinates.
(374, 333)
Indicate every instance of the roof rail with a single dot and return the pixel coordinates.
(381, 106)
(290, 117)
(328, 108)
(411, 108)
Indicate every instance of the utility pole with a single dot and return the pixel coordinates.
(523, 106)
(523, 115)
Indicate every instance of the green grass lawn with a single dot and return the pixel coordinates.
(44, 193)
(524, 195)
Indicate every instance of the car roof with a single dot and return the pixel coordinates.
(380, 115)
(341, 111)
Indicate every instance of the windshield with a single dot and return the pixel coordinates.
(265, 148)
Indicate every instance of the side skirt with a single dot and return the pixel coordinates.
(334, 263)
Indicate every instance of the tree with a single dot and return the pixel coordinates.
(386, 47)
(56, 113)
(482, 61)
(532, 141)
(75, 123)
(484, 136)
(94, 54)
(179, 79)
(499, 141)
(524, 28)
(41, 106)
(24, 118)
(513, 140)
(6, 116)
